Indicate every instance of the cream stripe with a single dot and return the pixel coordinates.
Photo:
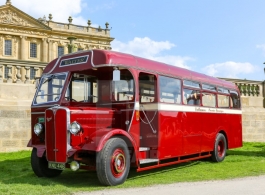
(184, 108)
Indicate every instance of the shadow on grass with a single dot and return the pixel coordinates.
(250, 152)
(18, 171)
(135, 175)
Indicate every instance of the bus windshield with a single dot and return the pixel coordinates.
(50, 88)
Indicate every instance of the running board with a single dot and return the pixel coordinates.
(148, 160)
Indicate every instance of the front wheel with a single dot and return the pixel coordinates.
(113, 162)
(40, 166)
(220, 146)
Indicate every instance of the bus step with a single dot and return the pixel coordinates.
(148, 160)
(141, 149)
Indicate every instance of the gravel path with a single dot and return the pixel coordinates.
(241, 186)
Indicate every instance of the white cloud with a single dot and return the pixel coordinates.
(229, 69)
(147, 48)
(60, 9)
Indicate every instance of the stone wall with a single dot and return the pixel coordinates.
(253, 119)
(15, 101)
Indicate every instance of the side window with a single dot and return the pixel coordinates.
(223, 101)
(191, 97)
(234, 99)
(147, 88)
(123, 88)
(208, 99)
(169, 90)
(83, 88)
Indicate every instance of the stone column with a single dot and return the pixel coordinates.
(23, 48)
(18, 74)
(1, 74)
(9, 75)
(27, 75)
(50, 51)
(40, 71)
(44, 50)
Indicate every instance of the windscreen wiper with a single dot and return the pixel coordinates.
(49, 79)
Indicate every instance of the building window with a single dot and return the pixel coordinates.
(6, 72)
(8, 47)
(33, 50)
(32, 73)
(60, 51)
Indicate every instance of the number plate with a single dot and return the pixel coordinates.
(53, 165)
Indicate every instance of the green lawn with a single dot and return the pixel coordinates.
(18, 178)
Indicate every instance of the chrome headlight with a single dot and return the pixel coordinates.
(38, 128)
(75, 128)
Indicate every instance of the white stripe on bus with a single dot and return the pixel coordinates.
(185, 108)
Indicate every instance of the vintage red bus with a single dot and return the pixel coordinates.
(109, 111)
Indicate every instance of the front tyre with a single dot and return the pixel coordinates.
(40, 166)
(220, 146)
(113, 162)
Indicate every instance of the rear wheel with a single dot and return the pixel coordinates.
(113, 162)
(220, 146)
(40, 166)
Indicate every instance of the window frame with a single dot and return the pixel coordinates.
(33, 51)
(60, 53)
(10, 47)
(174, 98)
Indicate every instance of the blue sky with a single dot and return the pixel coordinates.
(222, 38)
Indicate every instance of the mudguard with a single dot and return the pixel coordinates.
(98, 139)
(40, 148)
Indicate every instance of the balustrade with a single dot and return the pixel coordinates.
(21, 73)
(249, 87)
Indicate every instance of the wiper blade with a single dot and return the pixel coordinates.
(49, 79)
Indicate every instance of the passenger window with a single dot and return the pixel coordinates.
(191, 97)
(208, 100)
(147, 84)
(191, 84)
(208, 87)
(223, 101)
(234, 99)
(169, 90)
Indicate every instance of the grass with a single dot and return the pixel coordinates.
(18, 178)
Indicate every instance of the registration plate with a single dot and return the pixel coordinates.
(53, 165)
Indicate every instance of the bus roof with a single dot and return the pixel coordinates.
(92, 58)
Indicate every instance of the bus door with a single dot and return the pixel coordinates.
(148, 113)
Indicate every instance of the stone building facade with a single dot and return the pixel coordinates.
(28, 44)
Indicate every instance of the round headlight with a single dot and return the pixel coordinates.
(38, 128)
(75, 128)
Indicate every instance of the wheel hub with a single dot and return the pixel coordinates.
(119, 163)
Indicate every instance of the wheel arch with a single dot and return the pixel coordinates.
(100, 139)
(226, 137)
